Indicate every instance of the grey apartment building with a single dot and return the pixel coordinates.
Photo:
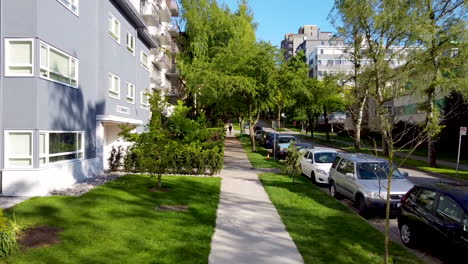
(72, 71)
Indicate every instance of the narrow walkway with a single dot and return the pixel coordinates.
(248, 227)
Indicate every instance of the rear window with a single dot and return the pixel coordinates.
(286, 140)
(426, 198)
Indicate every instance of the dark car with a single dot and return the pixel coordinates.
(435, 213)
(269, 139)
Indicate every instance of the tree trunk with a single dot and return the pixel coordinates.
(159, 181)
(312, 127)
(252, 136)
(278, 120)
(358, 123)
(325, 115)
(433, 123)
(431, 152)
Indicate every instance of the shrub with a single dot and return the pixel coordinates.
(115, 158)
(8, 243)
(130, 160)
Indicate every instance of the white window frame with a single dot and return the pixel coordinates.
(115, 94)
(144, 65)
(111, 34)
(131, 99)
(69, 3)
(7, 64)
(122, 110)
(47, 155)
(142, 104)
(48, 70)
(7, 149)
(131, 49)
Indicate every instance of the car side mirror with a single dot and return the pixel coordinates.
(350, 175)
(465, 225)
(405, 174)
(309, 160)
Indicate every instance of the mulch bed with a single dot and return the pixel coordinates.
(155, 189)
(177, 208)
(40, 236)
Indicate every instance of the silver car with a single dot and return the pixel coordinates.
(363, 179)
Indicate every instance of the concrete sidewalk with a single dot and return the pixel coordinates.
(248, 227)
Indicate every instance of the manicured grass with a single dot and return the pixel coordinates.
(258, 159)
(324, 230)
(118, 223)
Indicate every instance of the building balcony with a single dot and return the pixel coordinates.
(173, 7)
(173, 30)
(163, 11)
(161, 35)
(149, 13)
(172, 73)
(160, 59)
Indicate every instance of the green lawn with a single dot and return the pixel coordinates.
(118, 223)
(258, 159)
(324, 230)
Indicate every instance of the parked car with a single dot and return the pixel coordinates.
(316, 163)
(302, 147)
(363, 179)
(269, 139)
(435, 213)
(259, 135)
(282, 144)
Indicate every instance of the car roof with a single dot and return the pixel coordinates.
(456, 191)
(323, 150)
(360, 157)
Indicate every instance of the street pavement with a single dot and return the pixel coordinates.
(248, 227)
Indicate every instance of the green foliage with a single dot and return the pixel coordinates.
(8, 234)
(293, 162)
(115, 158)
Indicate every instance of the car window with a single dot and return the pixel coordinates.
(324, 157)
(342, 166)
(447, 208)
(350, 167)
(335, 162)
(413, 193)
(374, 170)
(286, 140)
(426, 198)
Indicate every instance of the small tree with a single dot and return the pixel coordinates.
(293, 162)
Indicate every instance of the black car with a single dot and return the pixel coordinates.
(436, 214)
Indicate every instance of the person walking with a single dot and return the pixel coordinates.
(230, 128)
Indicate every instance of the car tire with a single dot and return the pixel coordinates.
(333, 192)
(362, 206)
(312, 178)
(408, 235)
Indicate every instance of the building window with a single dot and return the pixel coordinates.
(114, 86)
(18, 149)
(58, 66)
(72, 5)
(321, 51)
(130, 43)
(114, 28)
(144, 102)
(130, 93)
(322, 43)
(60, 146)
(319, 62)
(319, 73)
(123, 109)
(144, 60)
(19, 57)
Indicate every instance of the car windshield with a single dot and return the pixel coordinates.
(324, 157)
(286, 140)
(375, 170)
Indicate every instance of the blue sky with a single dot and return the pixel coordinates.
(278, 17)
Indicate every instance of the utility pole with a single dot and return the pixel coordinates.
(462, 133)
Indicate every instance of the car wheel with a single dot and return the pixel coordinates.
(362, 206)
(407, 235)
(312, 177)
(333, 192)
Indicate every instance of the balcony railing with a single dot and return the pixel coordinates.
(173, 7)
(149, 13)
(173, 29)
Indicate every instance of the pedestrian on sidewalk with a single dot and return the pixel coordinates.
(230, 128)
